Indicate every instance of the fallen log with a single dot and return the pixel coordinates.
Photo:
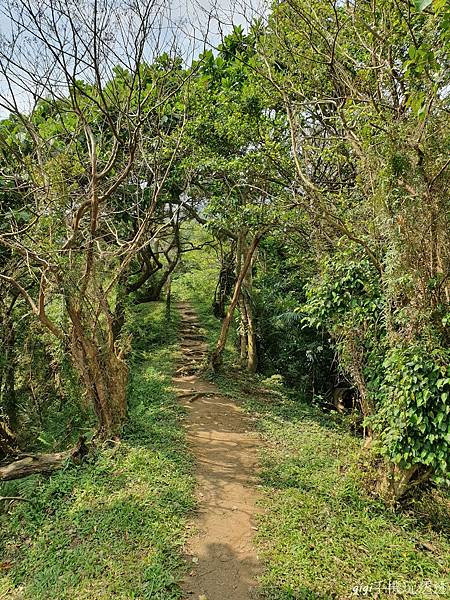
(42, 463)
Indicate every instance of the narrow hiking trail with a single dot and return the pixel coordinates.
(224, 561)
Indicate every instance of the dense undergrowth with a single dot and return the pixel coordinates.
(114, 527)
(322, 535)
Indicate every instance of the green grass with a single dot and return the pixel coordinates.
(320, 534)
(112, 528)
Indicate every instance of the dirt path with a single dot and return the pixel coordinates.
(224, 561)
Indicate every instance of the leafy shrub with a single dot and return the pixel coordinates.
(413, 408)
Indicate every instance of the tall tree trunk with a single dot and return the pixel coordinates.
(225, 284)
(251, 361)
(168, 297)
(217, 355)
(240, 257)
(252, 356)
(104, 374)
(356, 353)
(118, 320)
(243, 330)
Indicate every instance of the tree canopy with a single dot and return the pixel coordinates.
(310, 150)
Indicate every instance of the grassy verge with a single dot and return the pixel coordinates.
(112, 528)
(321, 536)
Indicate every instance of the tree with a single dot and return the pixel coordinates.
(364, 92)
(80, 148)
(230, 134)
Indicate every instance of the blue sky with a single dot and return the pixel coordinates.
(189, 20)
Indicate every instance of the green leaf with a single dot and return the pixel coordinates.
(422, 4)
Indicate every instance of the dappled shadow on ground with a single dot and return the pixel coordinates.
(321, 532)
(428, 510)
(276, 402)
(211, 577)
(111, 529)
(219, 573)
(221, 552)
